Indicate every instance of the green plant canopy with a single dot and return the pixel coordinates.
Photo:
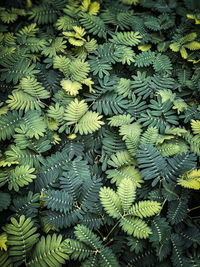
(100, 133)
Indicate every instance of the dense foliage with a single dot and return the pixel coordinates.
(100, 133)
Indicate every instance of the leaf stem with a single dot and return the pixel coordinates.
(195, 217)
(105, 238)
(195, 208)
(162, 206)
(100, 234)
(108, 242)
(43, 103)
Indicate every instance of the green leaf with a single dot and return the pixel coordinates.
(135, 227)
(22, 237)
(126, 38)
(89, 123)
(75, 110)
(144, 209)
(4, 200)
(111, 202)
(18, 177)
(50, 251)
(127, 194)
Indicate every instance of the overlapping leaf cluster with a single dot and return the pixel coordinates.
(100, 133)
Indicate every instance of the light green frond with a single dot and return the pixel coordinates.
(150, 136)
(79, 70)
(125, 172)
(167, 94)
(56, 46)
(175, 131)
(126, 38)
(90, 45)
(8, 17)
(22, 237)
(65, 23)
(35, 124)
(190, 179)
(168, 149)
(191, 184)
(127, 193)
(130, 130)
(89, 123)
(124, 87)
(179, 105)
(195, 126)
(131, 135)
(111, 202)
(70, 87)
(50, 251)
(120, 120)
(29, 30)
(188, 38)
(119, 159)
(9, 38)
(144, 209)
(62, 63)
(3, 110)
(18, 177)
(75, 110)
(193, 45)
(20, 100)
(86, 236)
(34, 88)
(128, 55)
(56, 112)
(135, 227)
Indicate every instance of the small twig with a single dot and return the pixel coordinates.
(195, 208)
(105, 238)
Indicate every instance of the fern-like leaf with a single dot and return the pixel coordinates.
(89, 123)
(119, 159)
(144, 209)
(195, 126)
(21, 238)
(135, 227)
(126, 38)
(8, 123)
(57, 200)
(75, 111)
(111, 202)
(50, 251)
(93, 24)
(130, 172)
(18, 177)
(127, 194)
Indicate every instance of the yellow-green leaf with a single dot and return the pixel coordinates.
(184, 53)
(94, 8)
(144, 47)
(195, 126)
(175, 47)
(71, 87)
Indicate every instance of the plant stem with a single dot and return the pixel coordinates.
(195, 217)
(100, 234)
(195, 208)
(111, 231)
(162, 206)
(108, 242)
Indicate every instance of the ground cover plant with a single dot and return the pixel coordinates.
(100, 133)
